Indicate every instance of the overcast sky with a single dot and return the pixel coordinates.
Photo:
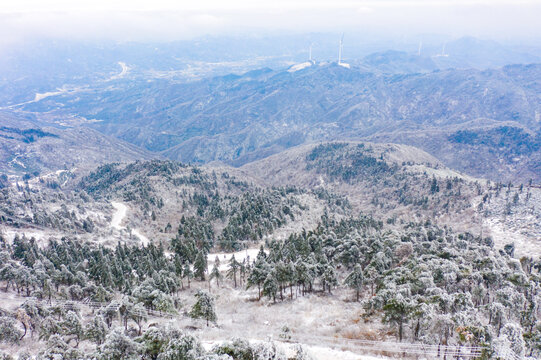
(171, 20)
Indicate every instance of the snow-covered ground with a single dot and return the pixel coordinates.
(143, 238)
(502, 235)
(261, 328)
(119, 215)
(41, 96)
(326, 353)
(248, 254)
(316, 352)
(300, 66)
(520, 223)
(323, 323)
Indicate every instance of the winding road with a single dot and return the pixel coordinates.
(118, 217)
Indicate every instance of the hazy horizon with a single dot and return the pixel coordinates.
(164, 21)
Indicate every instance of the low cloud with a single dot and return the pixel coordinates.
(170, 20)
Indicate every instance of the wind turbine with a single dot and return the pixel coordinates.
(443, 54)
(420, 47)
(340, 53)
(340, 49)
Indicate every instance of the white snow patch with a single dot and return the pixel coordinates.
(15, 161)
(325, 353)
(224, 258)
(300, 66)
(119, 215)
(41, 96)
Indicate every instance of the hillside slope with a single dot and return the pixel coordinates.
(28, 148)
(399, 184)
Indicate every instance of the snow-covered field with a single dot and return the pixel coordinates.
(323, 323)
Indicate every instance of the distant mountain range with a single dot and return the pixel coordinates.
(483, 122)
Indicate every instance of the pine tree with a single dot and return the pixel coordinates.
(215, 273)
(118, 346)
(187, 272)
(330, 278)
(355, 280)
(96, 330)
(200, 266)
(24, 319)
(234, 266)
(243, 269)
(72, 326)
(258, 275)
(204, 307)
(270, 286)
(9, 331)
(397, 311)
(138, 314)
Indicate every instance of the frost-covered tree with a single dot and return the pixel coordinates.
(124, 310)
(48, 327)
(270, 286)
(185, 347)
(72, 327)
(109, 312)
(96, 330)
(511, 337)
(259, 273)
(9, 331)
(187, 273)
(355, 280)
(138, 314)
(200, 266)
(329, 278)
(236, 348)
(397, 311)
(24, 319)
(203, 307)
(4, 356)
(233, 269)
(215, 273)
(57, 348)
(118, 346)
